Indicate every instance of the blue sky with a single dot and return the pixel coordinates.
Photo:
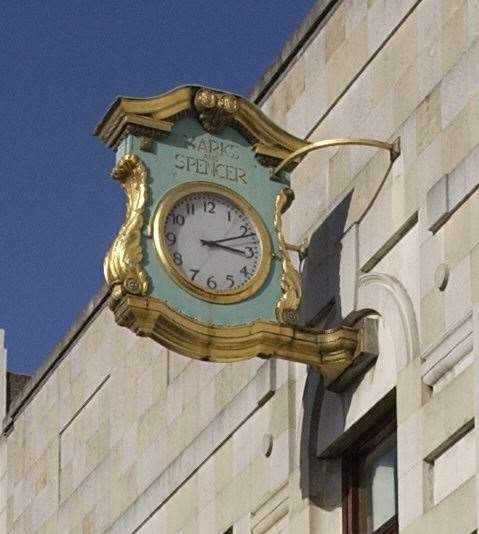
(61, 64)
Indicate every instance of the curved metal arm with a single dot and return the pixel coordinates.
(393, 148)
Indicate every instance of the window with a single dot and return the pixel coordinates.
(370, 482)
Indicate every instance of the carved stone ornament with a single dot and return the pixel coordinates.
(122, 265)
(287, 306)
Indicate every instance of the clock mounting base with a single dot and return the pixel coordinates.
(330, 352)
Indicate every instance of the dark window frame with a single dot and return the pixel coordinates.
(352, 460)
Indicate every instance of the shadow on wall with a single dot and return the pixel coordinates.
(321, 308)
(321, 300)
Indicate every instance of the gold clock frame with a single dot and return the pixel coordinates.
(224, 297)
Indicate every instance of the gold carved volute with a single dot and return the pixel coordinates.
(123, 270)
(287, 306)
(215, 109)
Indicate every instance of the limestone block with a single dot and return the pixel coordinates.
(335, 32)
(278, 464)
(473, 19)
(437, 204)
(269, 515)
(174, 399)
(458, 292)
(432, 255)
(83, 444)
(176, 364)
(206, 518)
(432, 315)
(457, 236)
(223, 463)
(454, 91)
(206, 481)
(472, 177)
(406, 94)
(382, 18)
(456, 141)
(224, 509)
(410, 487)
(457, 513)
(409, 443)
(244, 444)
(429, 167)
(429, 23)
(340, 173)
(409, 390)
(454, 34)
(448, 412)
(151, 426)
(454, 466)
(475, 277)
(157, 523)
(430, 65)
(428, 119)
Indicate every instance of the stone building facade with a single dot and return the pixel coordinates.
(116, 434)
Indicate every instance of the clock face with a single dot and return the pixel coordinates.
(212, 242)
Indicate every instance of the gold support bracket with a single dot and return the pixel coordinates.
(394, 149)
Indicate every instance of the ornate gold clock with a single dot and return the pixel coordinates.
(201, 263)
(212, 242)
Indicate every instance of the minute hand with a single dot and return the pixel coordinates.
(225, 247)
(232, 238)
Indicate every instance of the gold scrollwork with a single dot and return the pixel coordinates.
(122, 266)
(215, 109)
(287, 306)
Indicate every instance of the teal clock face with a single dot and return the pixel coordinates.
(212, 242)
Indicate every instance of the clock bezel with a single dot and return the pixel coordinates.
(224, 297)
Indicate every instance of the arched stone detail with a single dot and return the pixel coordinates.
(389, 298)
(384, 296)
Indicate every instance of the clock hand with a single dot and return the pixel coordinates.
(225, 247)
(231, 238)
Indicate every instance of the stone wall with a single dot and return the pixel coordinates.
(117, 434)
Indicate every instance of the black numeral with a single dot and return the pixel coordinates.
(171, 238)
(195, 272)
(244, 270)
(211, 282)
(244, 230)
(190, 208)
(209, 207)
(231, 280)
(249, 252)
(178, 219)
(177, 258)
(229, 216)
